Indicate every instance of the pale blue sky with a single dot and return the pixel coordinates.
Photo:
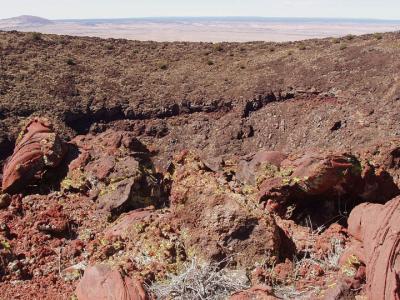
(60, 9)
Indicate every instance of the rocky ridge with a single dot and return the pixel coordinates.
(272, 186)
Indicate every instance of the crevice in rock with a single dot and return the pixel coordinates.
(336, 205)
(81, 121)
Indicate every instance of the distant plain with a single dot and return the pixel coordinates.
(229, 29)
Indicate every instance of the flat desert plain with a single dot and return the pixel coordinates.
(203, 29)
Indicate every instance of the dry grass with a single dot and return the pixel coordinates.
(309, 261)
(199, 281)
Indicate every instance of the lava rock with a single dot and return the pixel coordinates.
(377, 227)
(38, 149)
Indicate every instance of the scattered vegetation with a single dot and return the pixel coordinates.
(199, 281)
(378, 36)
(218, 47)
(302, 47)
(36, 36)
(343, 46)
(163, 66)
(210, 62)
(71, 62)
(350, 37)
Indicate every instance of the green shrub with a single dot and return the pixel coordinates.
(210, 62)
(349, 37)
(163, 66)
(378, 36)
(218, 47)
(343, 46)
(302, 47)
(71, 62)
(36, 36)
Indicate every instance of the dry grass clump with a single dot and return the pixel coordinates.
(200, 281)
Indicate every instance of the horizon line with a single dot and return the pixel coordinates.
(210, 17)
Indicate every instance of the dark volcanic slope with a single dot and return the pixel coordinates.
(326, 93)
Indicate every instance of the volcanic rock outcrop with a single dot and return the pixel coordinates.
(116, 169)
(38, 149)
(377, 227)
(218, 222)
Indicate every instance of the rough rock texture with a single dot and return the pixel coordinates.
(38, 149)
(115, 167)
(217, 222)
(269, 165)
(100, 282)
(255, 293)
(309, 175)
(377, 228)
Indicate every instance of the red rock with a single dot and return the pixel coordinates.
(259, 292)
(377, 227)
(247, 171)
(122, 226)
(38, 149)
(306, 176)
(100, 282)
(217, 220)
(116, 168)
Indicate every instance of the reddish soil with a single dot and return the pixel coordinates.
(130, 159)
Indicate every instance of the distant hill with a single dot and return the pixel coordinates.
(24, 21)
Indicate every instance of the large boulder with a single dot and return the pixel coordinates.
(38, 148)
(101, 282)
(116, 168)
(215, 222)
(300, 178)
(377, 227)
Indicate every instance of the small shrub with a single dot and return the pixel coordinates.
(218, 47)
(290, 53)
(378, 36)
(272, 49)
(343, 46)
(71, 62)
(349, 37)
(242, 67)
(336, 41)
(36, 36)
(163, 66)
(199, 282)
(302, 47)
(210, 62)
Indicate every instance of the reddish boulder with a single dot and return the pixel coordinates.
(117, 170)
(219, 222)
(250, 171)
(101, 282)
(37, 150)
(126, 222)
(259, 292)
(377, 227)
(307, 176)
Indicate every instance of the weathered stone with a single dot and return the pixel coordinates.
(377, 227)
(101, 282)
(37, 149)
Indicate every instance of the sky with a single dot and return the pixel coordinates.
(86, 9)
